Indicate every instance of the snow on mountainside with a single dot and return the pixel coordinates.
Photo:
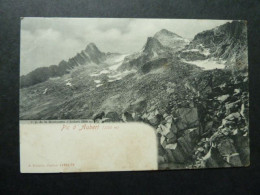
(90, 56)
(225, 44)
(162, 45)
(152, 50)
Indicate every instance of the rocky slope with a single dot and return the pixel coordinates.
(226, 43)
(91, 55)
(200, 116)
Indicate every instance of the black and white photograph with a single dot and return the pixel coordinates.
(185, 78)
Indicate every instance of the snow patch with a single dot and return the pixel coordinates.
(97, 81)
(207, 64)
(206, 52)
(104, 72)
(69, 84)
(116, 62)
(94, 75)
(223, 97)
(191, 50)
(45, 91)
(100, 73)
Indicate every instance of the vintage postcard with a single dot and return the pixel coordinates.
(110, 94)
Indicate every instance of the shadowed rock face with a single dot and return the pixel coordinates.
(162, 45)
(152, 50)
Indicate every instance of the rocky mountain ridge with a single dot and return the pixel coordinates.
(91, 55)
(227, 42)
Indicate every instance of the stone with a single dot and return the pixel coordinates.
(170, 135)
(161, 159)
(164, 130)
(171, 146)
(229, 153)
(128, 117)
(232, 107)
(200, 149)
(163, 141)
(188, 140)
(174, 128)
(112, 117)
(188, 115)
(154, 118)
(172, 140)
(176, 155)
(234, 160)
(237, 91)
(208, 126)
(99, 116)
(233, 116)
(181, 125)
(223, 98)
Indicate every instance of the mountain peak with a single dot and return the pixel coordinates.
(165, 32)
(170, 39)
(91, 46)
(92, 49)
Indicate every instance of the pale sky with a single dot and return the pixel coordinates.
(47, 41)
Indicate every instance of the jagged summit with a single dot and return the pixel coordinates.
(92, 46)
(165, 32)
(171, 39)
(90, 55)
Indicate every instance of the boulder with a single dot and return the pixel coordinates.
(174, 128)
(188, 140)
(154, 117)
(208, 126)
(176, 155)
(189, 116)
(232, 107)
(223, 98)
(112, 117)
(163, 129)
(163, 141)
(99, 116)
(233, 116)
(127, 117)
(228, 151)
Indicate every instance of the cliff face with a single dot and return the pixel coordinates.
(227, 42)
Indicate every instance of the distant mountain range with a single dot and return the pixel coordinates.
(91, 55)
(226, 42)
